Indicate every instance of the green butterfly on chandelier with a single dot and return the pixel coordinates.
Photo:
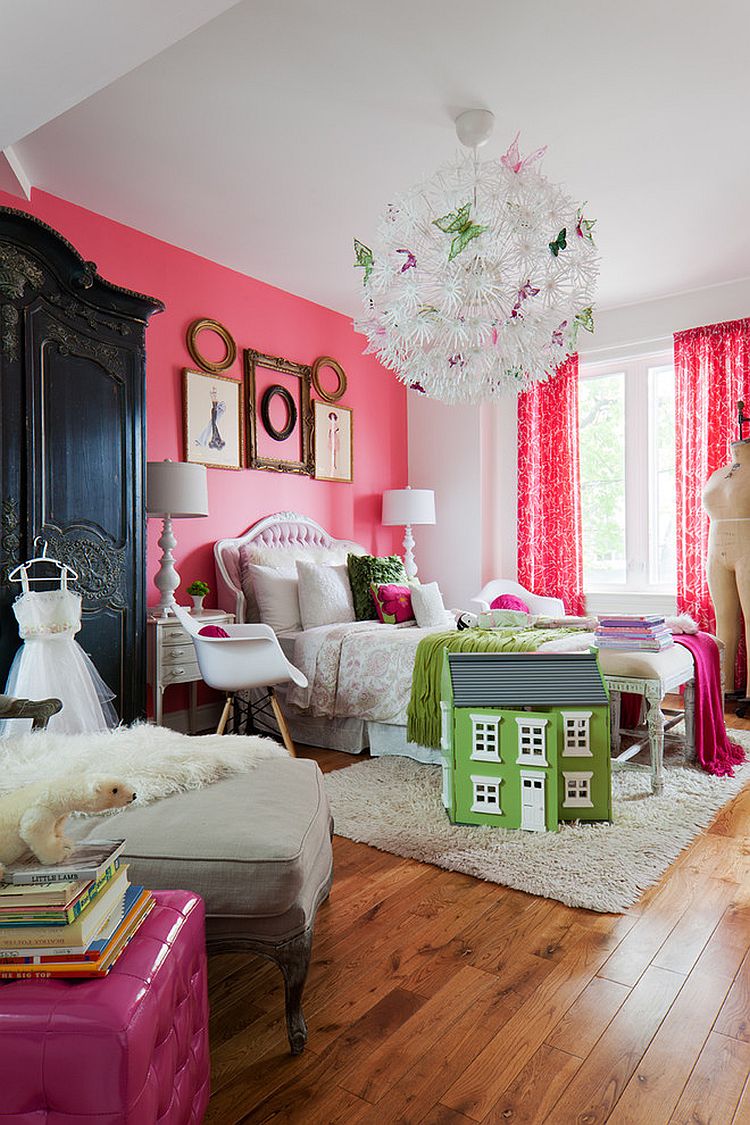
(459, 223)
(364, 259)
(559, 243)
(584, 227)
(586, 318)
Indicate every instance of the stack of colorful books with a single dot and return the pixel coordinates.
(69, 920)
(634, 632)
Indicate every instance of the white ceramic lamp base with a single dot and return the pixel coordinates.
(410, 565)
(167, 579)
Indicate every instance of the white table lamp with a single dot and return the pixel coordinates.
(405, 507)
(174, 490)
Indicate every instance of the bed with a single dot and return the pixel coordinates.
(359, 673)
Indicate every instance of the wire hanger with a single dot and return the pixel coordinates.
(21, 572)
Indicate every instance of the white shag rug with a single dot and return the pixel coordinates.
(394, 804)
(155, 761)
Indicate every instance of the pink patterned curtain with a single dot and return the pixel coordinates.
(712, 372)
(550, 557)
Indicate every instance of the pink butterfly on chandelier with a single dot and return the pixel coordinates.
(517, 163)
(410, 262)
(526, 290)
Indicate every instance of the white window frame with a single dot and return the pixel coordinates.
(525, 759)
(574, 749)
(445, 726)
(578, 802)
(491, 724)
(637, 590)
(488, 783)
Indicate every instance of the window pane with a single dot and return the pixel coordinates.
(601, 412)
(662, 539)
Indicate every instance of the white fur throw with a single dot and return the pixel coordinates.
(155, 761)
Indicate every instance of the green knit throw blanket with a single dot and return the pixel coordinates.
(423, 715)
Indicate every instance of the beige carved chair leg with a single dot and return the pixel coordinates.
(283, 728)
(689, 700)
(615, 710)
(655, 721)
(225, 714)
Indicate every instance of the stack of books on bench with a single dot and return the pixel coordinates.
(69, 920)
(634, 632)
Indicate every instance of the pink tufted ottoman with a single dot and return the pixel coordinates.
(131, 1049)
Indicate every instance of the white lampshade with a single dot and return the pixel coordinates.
(403, 506)
(177, 489)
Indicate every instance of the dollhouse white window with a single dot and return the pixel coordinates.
(532, 742)
(445, 726)
(485, 738)
(576, 734)
(486, 794)
(577, 790)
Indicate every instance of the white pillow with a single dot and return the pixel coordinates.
(325, 596)
(276, 594)
(427, 604)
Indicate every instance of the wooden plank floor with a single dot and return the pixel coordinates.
(436, 998)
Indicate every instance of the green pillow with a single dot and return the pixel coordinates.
(364, 569)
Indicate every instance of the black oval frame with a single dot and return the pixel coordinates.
(265, 412)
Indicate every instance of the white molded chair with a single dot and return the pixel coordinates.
(250, 657)
(498, 586)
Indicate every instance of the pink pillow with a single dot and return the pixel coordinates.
(393, 603)
(510, 601)
(213, 631)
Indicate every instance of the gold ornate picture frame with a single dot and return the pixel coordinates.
(273, 384)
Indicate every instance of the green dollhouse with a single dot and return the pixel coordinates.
(525, 739)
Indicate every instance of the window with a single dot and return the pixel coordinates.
(576, 734)
(626, 424)
(485, 738)
(486, 795)
(532, 741)
(445, 726)
(577, 790)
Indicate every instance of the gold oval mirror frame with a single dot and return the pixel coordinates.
(214, 366)
(335, 366)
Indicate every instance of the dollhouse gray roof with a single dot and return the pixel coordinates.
(526, 679)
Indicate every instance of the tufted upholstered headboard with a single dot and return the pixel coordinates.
(278, 540)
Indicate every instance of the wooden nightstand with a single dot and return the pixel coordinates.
(172, 660)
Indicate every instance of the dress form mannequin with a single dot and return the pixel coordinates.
(726, 498)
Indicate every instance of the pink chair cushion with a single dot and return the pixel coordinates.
(130, 1048)
(213, 631)
(510, 601)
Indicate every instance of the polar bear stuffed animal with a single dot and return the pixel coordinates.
(34, 817)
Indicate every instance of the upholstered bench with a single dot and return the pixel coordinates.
(130, 1048)
(652, 675)
(257, 848)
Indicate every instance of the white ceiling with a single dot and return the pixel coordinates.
(275, 132)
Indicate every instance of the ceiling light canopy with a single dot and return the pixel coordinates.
(480, 277)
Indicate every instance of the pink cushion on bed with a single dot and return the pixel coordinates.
(213, 631)
(393, 603)
(510, 601)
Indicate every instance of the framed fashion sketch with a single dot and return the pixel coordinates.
(212, 420)
(279, 414)
(334, 442)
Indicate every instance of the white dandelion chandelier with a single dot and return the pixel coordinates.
(480, 277)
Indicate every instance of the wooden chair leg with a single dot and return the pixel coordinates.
(284, 729)
(225, 715)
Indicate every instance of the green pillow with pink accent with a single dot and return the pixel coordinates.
(393, 603)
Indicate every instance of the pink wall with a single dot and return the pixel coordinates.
(271, 321)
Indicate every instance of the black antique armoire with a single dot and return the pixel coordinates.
(72, 443)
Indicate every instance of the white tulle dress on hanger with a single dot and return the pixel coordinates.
(51, 663)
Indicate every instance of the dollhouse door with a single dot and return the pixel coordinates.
(532, 804)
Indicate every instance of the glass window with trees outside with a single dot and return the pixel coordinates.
(627, 449)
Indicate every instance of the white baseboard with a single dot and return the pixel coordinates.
(206, 719)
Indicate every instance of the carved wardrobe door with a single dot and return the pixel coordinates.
(72, 443)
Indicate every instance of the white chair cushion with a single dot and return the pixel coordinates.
(325, 596)
(672, 667)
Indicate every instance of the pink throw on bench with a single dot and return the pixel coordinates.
(714, 751)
